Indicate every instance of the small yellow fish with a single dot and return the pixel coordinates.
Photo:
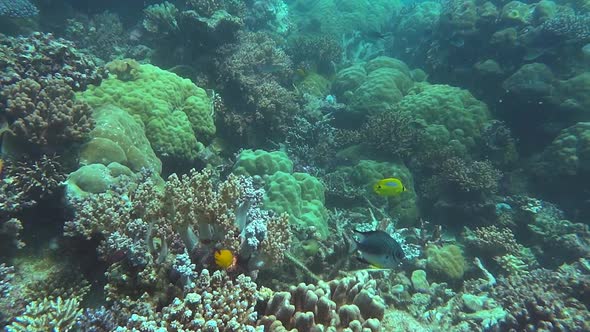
(389, 187)
(224, 259)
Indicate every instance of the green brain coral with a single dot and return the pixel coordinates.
(301, 196)
(118, 137)
(260, 162)
(370, 87)
(178, 115)
(448, 116)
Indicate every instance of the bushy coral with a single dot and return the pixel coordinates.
(44, 56)
(255, 73)
(161, 18)
(26, 182)
(477, 177)
(17, 8)
(541, 300)
(216, 303)
(46, 113)
(390, 134)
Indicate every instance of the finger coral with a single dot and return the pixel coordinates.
(348, 304)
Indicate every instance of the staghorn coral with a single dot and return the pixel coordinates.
(43, 56)
(216, 303)
(347, 304)
(46, 113)
(25, 182)
(46, 315)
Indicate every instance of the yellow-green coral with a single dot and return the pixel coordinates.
(449, 116)
(178, 115)
(447, 262)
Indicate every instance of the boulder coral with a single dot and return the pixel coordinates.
(177, 115)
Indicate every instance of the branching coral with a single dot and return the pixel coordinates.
(43, 56)
(391, 133)
(216, 303)
(47, 315)
(46, 114)
(25, 182)
(478, 177)
(6, 275)
(142, 225)
(541, 300)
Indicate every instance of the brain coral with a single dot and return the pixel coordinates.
(178, 115)
(118, 137)
(380, 82)
(448, 116)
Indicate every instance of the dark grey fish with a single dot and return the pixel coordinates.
(378, 249)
